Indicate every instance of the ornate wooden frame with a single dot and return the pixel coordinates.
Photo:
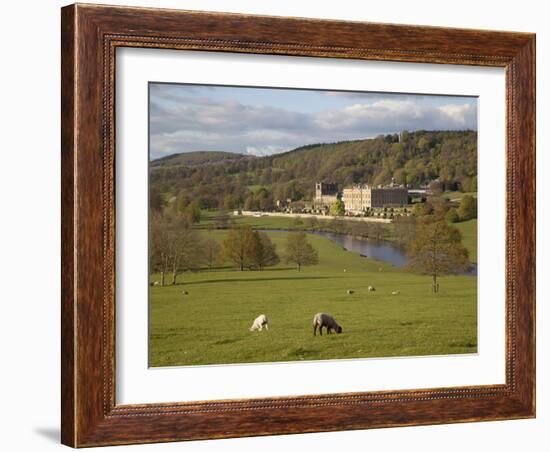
(90, 35)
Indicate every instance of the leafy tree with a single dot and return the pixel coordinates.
(338, 208)
(436, 250)
(181, 202)
(156, 201)
(251, 203)
(262, 251)
(469, 184)
(193, 212)
(421, 209)
(237, 245)
(440, 205)
(299, 251)
(468, 208)
(452, 216)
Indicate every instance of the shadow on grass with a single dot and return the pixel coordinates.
(303, 353)
(231, 268)
(225, 341)
(213, 281)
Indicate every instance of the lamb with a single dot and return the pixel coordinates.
(259, 323)
(395, 292)
(372, 289)
(321, 320)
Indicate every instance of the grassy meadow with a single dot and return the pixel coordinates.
(468, 230)
(210, 324)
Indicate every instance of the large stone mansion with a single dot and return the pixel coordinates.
(359, 198)
(326, 193)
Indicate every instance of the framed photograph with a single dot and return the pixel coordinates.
(281, 225)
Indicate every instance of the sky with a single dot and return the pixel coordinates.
(265, 121)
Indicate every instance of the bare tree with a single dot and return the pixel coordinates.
(404, 228)
(160, 247)
(311, 223)
(211, 252)
(377, 230)
(187, 250)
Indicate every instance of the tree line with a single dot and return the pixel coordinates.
(176, 247)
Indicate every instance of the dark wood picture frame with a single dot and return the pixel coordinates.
(90, 36)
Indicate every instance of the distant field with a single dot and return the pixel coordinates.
(210, 324)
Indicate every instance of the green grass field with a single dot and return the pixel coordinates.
(210, 324)
(469, 237)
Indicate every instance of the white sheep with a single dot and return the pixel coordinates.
(372, 289)
(395, 292)
(321, 320)
(156, 283)
(184, 292)
(259, 323)
(350, 292)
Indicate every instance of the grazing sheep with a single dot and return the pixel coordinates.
(184, 292)
(259, 323)
(372, 289)
(321, 320)
(395, 292)
(350, 292)
(156, 283)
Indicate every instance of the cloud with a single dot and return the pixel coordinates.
(396, 115)
(193, 120)
(266, 150)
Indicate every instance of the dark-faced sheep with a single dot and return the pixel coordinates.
(321, 320)
(372, 289)
(259, 323)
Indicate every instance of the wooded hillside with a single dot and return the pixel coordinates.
(225, 180)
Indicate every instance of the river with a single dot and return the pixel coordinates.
(382, 250)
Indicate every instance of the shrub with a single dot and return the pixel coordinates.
(452, 216)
